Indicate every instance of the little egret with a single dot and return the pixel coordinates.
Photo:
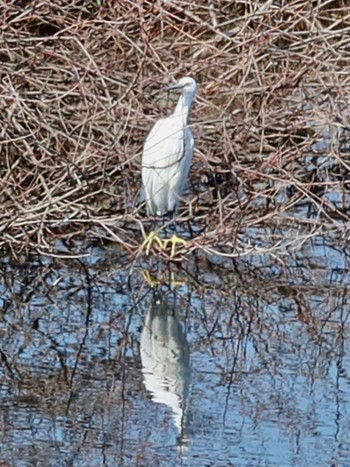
(166, 161)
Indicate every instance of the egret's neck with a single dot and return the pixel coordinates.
(183, 106)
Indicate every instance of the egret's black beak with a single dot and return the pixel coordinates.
(174, 87)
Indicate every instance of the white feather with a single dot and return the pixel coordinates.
(167, 155)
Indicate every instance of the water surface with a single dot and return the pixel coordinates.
(238, 362)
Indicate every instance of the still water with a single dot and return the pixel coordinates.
(224, 362)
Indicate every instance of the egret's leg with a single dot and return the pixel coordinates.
(173, 241)
(175, 282)
(190, 229)
(154, 282)
(149, 240)
(151, 281)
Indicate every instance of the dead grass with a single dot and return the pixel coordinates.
(81, 85)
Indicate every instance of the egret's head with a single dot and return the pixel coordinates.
(186, 84)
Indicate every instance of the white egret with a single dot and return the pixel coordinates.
(166, 161)
(165, 358)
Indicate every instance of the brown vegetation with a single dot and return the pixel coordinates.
(81, 83)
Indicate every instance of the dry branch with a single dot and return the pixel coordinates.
(81, 84)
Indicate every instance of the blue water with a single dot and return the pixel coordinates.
(247, 364)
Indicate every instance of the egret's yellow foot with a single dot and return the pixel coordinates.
(153, 282)
(173, 241)
(174, 282)
(152, 238)
(150, 280)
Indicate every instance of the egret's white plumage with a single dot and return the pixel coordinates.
(165, 358)
(167, 154)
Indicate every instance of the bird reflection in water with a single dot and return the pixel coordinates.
(165, 361)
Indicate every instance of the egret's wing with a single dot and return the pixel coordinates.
(163, 164)
(164, 145)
